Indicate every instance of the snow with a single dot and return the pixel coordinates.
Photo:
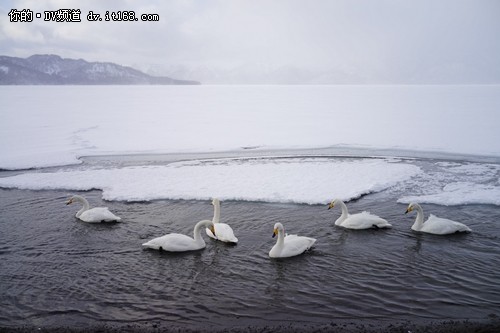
(46, 126)
(456, 184)
(54, 125)
(53, 69)
(461, 193)
(260, 179)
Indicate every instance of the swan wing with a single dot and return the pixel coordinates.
(98, 214)
(224, 233)
(293, 246)
(290, 237)
(173, 243)
(441, 226)
(365, 220)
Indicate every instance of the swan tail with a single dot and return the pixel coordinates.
(311, 242)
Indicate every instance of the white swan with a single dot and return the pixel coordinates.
(179, 242)
(434, 225)
(362, 220)
(289, 245)
(222, 230)
(92, 215)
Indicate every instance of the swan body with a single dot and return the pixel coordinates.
(223, 231)
(179, 242)
(92, 215)
(435, 225)
(358, 221)
(289, 245)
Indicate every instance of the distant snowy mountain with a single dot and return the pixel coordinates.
(262, 73)
(255, 73)
(52, 69)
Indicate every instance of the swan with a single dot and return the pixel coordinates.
(222, 230)
(362, 220)
(434, 225)
(179, 242)
(92, 215)
(289, 245)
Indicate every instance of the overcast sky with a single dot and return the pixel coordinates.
(389, 38)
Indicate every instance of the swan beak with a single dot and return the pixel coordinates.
(409, 209)
(275, 232)
(69, 202)
(212, 229)
(331, 205)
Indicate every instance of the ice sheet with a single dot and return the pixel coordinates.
(54, 125)
(462, 193)
(297, 180)
(455, 184)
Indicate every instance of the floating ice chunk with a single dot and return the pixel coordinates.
(298, 180)
(459, 193)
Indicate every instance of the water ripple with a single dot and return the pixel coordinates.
(56, 270)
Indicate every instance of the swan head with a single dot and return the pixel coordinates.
(410, 208)
(332, 204)
(215, 201)
(71, 200)
(74, 199)
(208, 224)
(277, 228)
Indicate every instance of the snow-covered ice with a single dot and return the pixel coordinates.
(309, 180)
(298, 180)
(461, 193)
(54, 125)
(44, 126)
(452, 184)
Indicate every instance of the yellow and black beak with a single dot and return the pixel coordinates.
(212, 229)
(275, 232)
(409, 209)
(69, 202)
(331, 205)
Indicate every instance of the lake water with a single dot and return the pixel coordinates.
(155, 155)
(56, 271)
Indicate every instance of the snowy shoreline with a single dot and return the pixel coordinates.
(45, 126)
(280, 178)
(338, 151)
(297, 144)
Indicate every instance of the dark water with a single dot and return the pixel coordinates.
(57, 271)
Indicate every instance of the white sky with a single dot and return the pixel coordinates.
(389, 38)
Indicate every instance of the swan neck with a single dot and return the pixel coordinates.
(281, 238)
(197, 233)
(85, 204)
(216, 213)
(344, 214)
(419, 221)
